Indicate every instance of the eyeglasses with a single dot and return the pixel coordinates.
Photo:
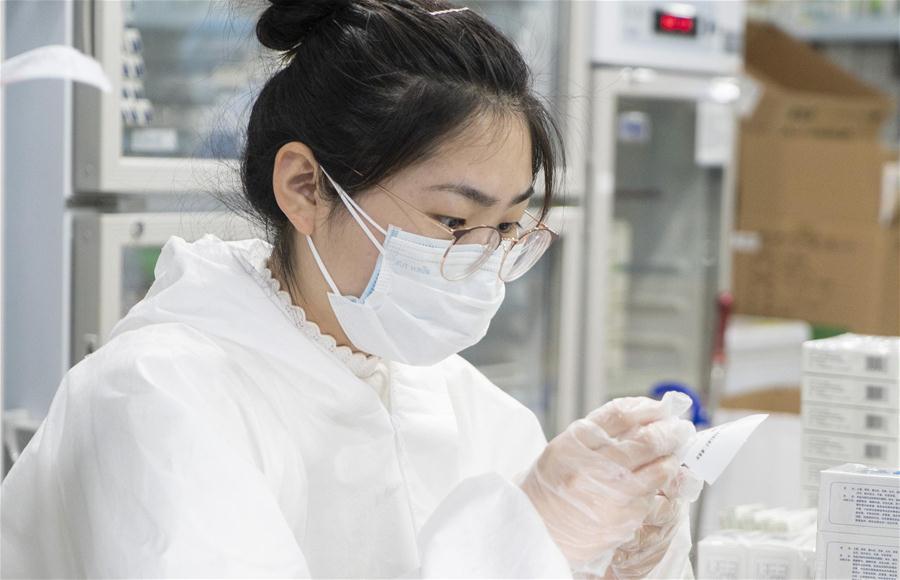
(473, 246)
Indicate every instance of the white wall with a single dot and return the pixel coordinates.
(3, 468)
(36, 182)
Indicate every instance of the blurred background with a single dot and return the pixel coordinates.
(731, 192)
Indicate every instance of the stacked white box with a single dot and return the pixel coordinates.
(859, 523)
(838, 390)
(757, 542)
(743, 554)
(854, 355)
(850, 405)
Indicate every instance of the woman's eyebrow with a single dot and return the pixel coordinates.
(522, 196)
(479, 196)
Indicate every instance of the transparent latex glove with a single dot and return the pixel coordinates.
(639, 556)
(596, 482)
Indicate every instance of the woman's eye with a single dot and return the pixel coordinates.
(509, 228)
(451, 222)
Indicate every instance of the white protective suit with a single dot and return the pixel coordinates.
(219, 434)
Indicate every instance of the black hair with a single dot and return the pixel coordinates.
(373, 86)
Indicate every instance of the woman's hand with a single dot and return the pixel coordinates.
(639, 556)
(597, 482)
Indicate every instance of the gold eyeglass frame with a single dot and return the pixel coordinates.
(458, 234)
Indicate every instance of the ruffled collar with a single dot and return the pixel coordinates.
(360, 364)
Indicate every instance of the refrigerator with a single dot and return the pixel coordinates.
(665, 95)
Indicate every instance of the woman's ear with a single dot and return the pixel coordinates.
(295, 185)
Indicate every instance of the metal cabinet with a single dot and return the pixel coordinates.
(183, 75)
(113, 261)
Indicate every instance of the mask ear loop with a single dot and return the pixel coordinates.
(352, 208)
(356, 211)
(321, 264)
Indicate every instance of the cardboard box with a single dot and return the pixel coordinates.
(773, 400)
(827, 273)
(850, 420)
(856, 499)
(810, 147)
(855, 355)
(810, 244)
(808, 179)
(864, 393)
(830, 447)
(804, 93)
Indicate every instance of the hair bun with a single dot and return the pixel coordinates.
(285, 23)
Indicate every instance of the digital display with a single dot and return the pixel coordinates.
(668, 23)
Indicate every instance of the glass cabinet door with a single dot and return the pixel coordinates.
(184, 74)
(666, 216)
(186, 81)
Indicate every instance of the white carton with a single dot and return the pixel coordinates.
(856, 557)
(856, 499)
(837, 448)
(876, 357)
(859, 523)
(850, 420)
(720, 557)
(840, 390)
(740, 554)
(775, 561)
(763, 352)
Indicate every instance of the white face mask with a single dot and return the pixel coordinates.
(409, 312)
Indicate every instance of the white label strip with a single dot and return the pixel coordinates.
(714, 448)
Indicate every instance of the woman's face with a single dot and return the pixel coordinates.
(480, 177)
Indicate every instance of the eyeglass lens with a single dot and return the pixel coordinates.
(474, 248)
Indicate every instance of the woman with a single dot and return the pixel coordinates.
(298, 409)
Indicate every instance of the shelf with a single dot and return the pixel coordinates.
(869, 29)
